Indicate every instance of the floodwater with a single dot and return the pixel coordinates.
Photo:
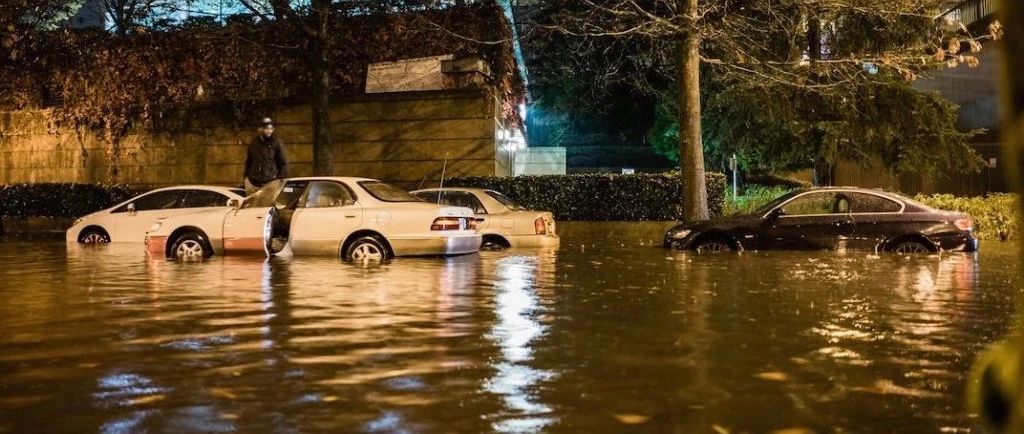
(606, 334)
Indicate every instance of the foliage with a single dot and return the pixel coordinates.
(59, 199)
(994, 215)
(107, 83)
(751, 198)
(600, 197)
(784, 85)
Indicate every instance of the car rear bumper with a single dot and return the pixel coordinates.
(443, 245)
(534, 240)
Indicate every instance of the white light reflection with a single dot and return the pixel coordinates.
(515, 330)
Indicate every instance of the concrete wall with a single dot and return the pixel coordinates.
(540, 161)
(402, 138)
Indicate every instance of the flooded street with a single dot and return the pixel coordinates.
(608, 333)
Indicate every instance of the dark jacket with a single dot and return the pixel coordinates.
(265, 161)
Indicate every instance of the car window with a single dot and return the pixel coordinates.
(505, 200)
(867, 203)
(239, 192)
(387, 192)
(463, 199)
(166, 199)
(811, 203)
(326, 194)
(202, 199)
(429, 196)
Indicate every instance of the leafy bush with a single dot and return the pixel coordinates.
(994, 215)
(602, 197)
(59, 200)
(752, 197)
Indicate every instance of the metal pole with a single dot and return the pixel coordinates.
(734, 165)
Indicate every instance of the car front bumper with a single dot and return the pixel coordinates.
(442, 245)
(959, 242)
(156, 246)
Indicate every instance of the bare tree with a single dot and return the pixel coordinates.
(813, 45)
(312, 22)
(126, 15)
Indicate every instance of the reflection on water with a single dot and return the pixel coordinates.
(517, 327)
(608, 333)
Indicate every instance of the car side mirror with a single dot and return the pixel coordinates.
(131, 208)
(776, 213)
(234, 203)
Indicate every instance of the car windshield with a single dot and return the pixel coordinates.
(265, 197)
(909, 201)
(387, 192)
(505, 200)
(774, 203)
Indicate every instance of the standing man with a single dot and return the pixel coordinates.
(265, 160)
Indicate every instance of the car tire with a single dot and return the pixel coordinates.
(713, 245)
(94, 236)
(910, 247)
(494, 243)
(366, 249)
(191, 246)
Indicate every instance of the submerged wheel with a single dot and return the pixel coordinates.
(494, 242)
(366, 249)
(910, 247)
(191, 246)
(93, 236)
(713, 245)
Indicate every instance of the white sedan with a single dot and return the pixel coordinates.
(128, 221)
(500, 220)
(355, 218)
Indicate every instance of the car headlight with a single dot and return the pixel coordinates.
(156, 226)
(678, 234)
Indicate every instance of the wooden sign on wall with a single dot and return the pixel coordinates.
(422, 73)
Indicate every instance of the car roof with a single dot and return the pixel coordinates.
(331, 178)
(217, 188)
(849, 188)
(473, 190)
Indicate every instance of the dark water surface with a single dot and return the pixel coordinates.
(608, 333)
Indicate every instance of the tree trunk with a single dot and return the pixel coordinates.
(320, 69)
(691, 152)
(321, 106)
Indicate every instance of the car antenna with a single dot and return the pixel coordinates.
(441, 184)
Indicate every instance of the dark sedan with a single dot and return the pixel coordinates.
(835, 218)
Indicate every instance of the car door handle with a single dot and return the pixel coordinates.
(350, 216)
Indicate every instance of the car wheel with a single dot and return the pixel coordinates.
(366, 249)
(191, 246)
(494, 243)
(93, 236)
(910, 247)
(713, 245)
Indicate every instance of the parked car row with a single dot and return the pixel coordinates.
(357, 219)
(363, 219)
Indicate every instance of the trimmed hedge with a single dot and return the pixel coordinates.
(994, 215)
(600, 197)
(59, 200)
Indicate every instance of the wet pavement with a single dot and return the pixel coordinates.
(608, 333)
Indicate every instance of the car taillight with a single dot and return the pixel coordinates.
(451, 224)
(964, 224)
(539, 226)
